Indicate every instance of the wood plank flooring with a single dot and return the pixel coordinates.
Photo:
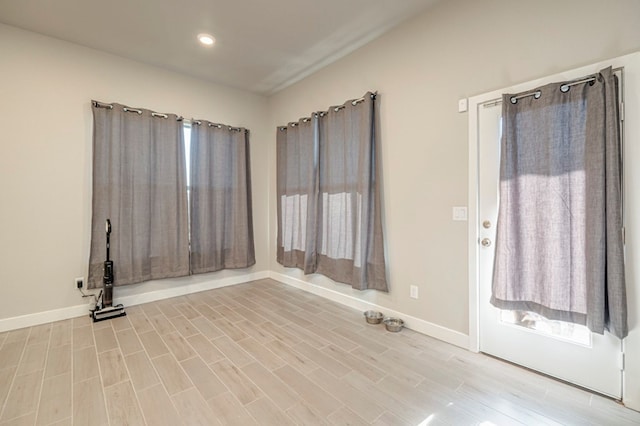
(264, 353)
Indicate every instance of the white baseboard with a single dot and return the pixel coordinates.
(29, 320)
(38, 318)
(416, 324)
(152, 296)
(413, 323)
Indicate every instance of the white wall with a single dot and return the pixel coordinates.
(46, 86)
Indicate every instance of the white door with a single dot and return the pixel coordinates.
(566, 351)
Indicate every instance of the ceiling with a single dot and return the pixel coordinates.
(262, 45)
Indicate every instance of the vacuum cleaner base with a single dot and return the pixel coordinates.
(108, 313)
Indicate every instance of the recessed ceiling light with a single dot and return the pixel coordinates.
(206, 39)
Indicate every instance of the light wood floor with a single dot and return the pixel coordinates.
(264, 353)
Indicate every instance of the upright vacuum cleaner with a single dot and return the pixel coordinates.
(104, 308)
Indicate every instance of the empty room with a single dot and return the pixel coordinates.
(348, 212)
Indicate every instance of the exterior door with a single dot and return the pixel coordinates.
(563, 350)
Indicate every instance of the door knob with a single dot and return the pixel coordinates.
(485, 242)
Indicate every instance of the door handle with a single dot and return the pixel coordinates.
(486, 242)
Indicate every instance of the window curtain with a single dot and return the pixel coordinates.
(139, 183)
(559, 249)
(297, 187)
(329, 212)
(220, 198)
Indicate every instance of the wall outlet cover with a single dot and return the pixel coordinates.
(462, 105)
(460, 213)
(413, 292)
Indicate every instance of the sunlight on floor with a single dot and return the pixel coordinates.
(428, 420)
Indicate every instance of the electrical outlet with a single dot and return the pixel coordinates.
(80, 282)
(413, 291)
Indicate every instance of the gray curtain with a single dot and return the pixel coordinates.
(297, 189)
(350, 244)
(139, 183)
(559, 249)
(220, 198)
(330, 162)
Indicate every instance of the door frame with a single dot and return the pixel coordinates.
(631, 150)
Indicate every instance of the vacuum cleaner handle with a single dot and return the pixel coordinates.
(107, 278)
(108, 231)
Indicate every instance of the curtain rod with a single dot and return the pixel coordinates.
(536, 94)
(564, 88)
(335, 109)
(219, 126)
(339, 107)
(161, 115)
(137, 111)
